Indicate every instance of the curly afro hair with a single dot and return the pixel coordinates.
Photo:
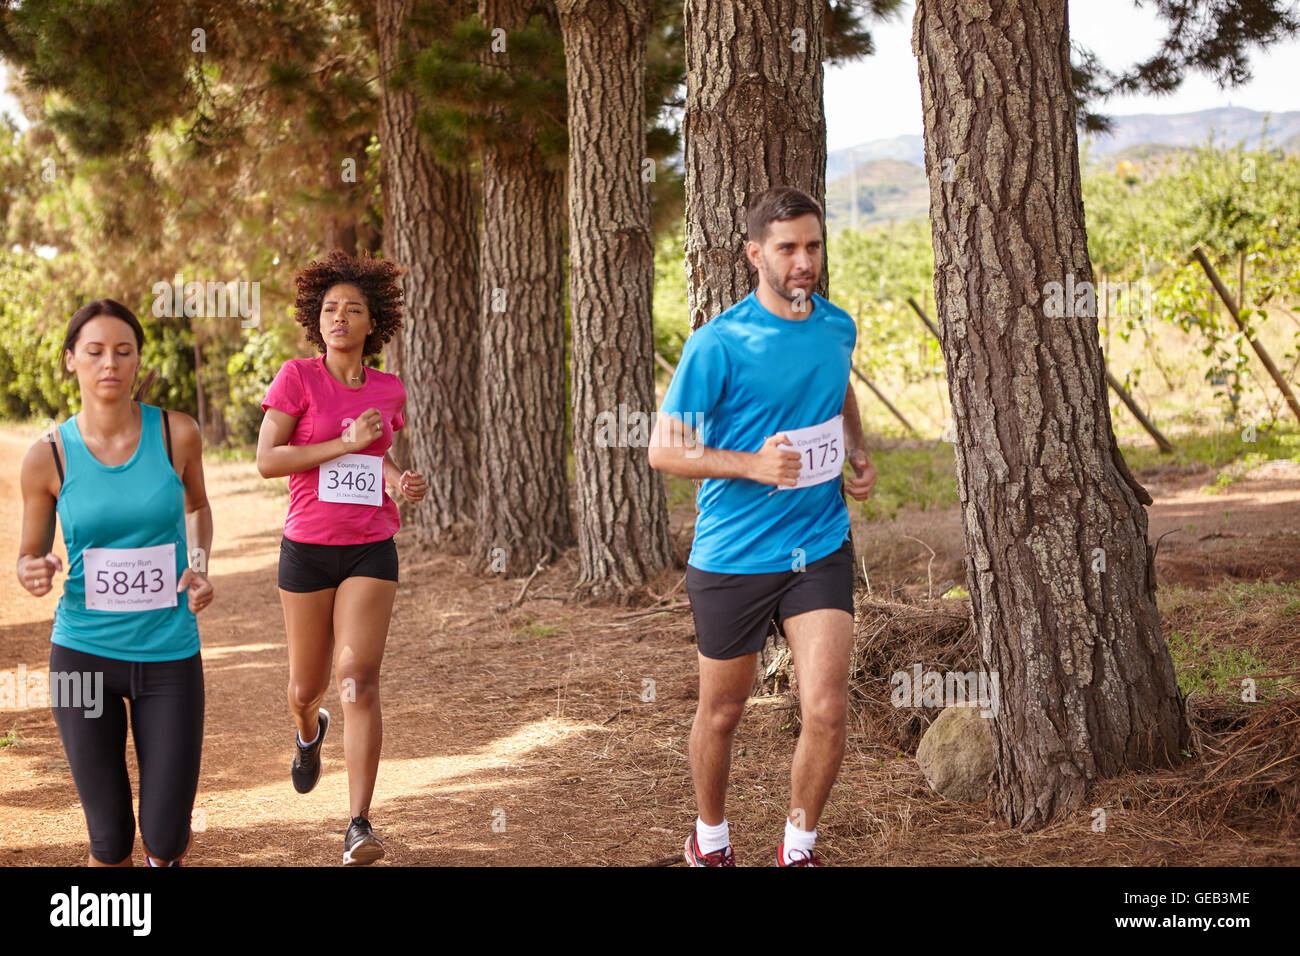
(378, 280)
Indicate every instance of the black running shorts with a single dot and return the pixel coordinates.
(316, 567)
(734, 613)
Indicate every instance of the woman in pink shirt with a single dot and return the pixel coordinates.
(329, 425)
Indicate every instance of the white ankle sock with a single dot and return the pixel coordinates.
(308, 743)
(710, 838)
(796, 839)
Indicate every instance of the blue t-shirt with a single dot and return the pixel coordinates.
(746, 375)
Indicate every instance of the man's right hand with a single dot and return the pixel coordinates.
(774, 465)
(36, 573)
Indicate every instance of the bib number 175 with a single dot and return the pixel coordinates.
(821, 452)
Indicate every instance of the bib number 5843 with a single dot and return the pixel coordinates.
(130, 579)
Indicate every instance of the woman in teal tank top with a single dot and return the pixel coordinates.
(126, 482)
(146, 514)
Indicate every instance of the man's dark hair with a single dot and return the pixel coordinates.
(777, 205)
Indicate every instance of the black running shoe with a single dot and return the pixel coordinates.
(306, 762)
(360, 845)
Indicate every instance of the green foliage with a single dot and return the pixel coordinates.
(672, 321)
(249, 372)
(1215, 671)
(475, 94)
(1144, 221)
(34, 314)
(1219, 448)
(921, 475)
(873, 272)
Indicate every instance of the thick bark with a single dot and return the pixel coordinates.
(754, 119)
(523, 512)
(622, 514)
(429, 227)
(1060, 573)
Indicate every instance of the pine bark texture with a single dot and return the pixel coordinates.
(621, 509)
(1061, 577)
(430, 227)
(754, 119)
(524, 513)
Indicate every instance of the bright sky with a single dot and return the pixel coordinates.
(1119, 33)
(855, 116)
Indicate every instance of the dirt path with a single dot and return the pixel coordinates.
(549, 734)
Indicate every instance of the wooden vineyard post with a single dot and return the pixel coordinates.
(1199, 255)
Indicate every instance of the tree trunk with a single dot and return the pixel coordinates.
(341, 216)
(1061, 578)
(429, 227)
(523, 511)
(754, 119)
(622, 513)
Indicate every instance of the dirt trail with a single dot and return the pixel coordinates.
(549, 733)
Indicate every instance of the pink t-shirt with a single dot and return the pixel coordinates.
(305, 389)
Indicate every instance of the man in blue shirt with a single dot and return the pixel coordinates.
(760, 407)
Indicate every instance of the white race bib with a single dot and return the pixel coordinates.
(130, 579)
(352, 480)
(821, 452)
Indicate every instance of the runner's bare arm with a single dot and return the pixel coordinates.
(854, 439)
(277, 458)
(677, 450)
(411, 485)
(392, 474)
(189, 451)
(36, 561)
(859, 485)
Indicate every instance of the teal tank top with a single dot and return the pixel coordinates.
(138, 504)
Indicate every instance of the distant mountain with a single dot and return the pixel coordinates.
(891, 172)
(909, 149)
(1230, 125)
(887, 189)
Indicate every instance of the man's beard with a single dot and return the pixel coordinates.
(795, 296)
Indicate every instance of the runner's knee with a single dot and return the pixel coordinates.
(166, 840)
(824, 715)
(304, 696)
(114, 847)
(721, 716)
(360, 688)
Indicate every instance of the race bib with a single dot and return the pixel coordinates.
(821, 452)
(352, 480)
(130, 579)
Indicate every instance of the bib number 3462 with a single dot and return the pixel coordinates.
(130, 579)
(821, 451)
(352, 480)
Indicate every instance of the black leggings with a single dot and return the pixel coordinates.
(167, 722)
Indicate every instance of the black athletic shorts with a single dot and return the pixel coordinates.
(734, 613)
(166, 717)
(315, 567)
